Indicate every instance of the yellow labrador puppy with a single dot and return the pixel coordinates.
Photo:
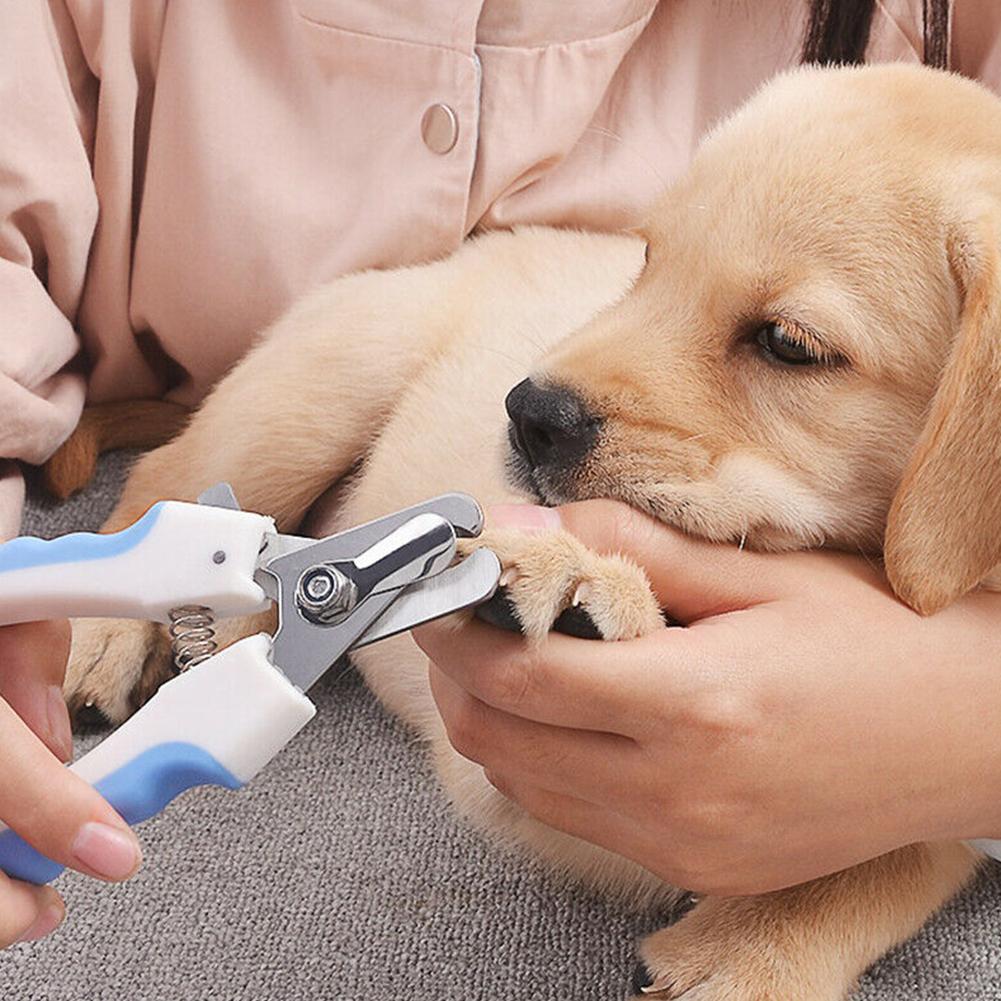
(803, 349)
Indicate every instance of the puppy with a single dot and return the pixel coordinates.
(802, 348)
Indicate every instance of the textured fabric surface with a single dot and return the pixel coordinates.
(340, 874)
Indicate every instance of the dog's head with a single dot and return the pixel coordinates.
(812, 354)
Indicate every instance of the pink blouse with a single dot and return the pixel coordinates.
(174, 172)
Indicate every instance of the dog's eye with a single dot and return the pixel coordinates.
(778, 344)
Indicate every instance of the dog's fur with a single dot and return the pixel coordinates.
(859, 209)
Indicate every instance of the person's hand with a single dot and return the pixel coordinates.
(804, 721)
(50, 807)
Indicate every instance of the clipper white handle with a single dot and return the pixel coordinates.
(175, 554)
(217, 724)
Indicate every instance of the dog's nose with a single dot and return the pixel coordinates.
(550, 425)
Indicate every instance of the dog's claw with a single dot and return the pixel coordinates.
(642, 978)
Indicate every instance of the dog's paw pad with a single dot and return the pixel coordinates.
(500, 611)
(89, 718)
(575, 621)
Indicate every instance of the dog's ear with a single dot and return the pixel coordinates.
(943, 533)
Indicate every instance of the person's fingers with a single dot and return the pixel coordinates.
(577, 762)
(56, 811)
(27, 913)
(692, 578)
(563, 681)
(32, 665)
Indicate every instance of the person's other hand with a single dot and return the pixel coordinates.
(50, 807)
(804, 721)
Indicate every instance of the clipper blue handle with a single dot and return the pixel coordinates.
(217, 724)
(80, 547)
(175, 554)
(139, 789)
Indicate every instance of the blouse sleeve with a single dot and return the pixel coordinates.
(48, 212)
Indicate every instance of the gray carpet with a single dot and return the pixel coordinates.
(340, 874)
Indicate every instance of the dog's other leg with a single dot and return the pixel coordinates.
(130, 424)
(294, 416)
(297, 412)
(807, 943)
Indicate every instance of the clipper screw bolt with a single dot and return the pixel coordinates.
(323, 593)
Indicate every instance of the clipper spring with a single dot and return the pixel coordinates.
(192, 635)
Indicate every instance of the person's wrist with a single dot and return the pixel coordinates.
(970, 807)
(984, 818)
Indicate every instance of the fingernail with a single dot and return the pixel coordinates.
(106, 850)
(525, 517)
(49, 919)
(60, 734)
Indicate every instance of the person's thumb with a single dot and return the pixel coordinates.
(693, 579)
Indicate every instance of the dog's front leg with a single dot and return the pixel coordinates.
(806, 943)
(305, 404)
(294, 416)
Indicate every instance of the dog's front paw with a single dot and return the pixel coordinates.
(738, 949)
(115, 665)
(552, 579)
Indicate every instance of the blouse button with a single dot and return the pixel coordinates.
(439, 128)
